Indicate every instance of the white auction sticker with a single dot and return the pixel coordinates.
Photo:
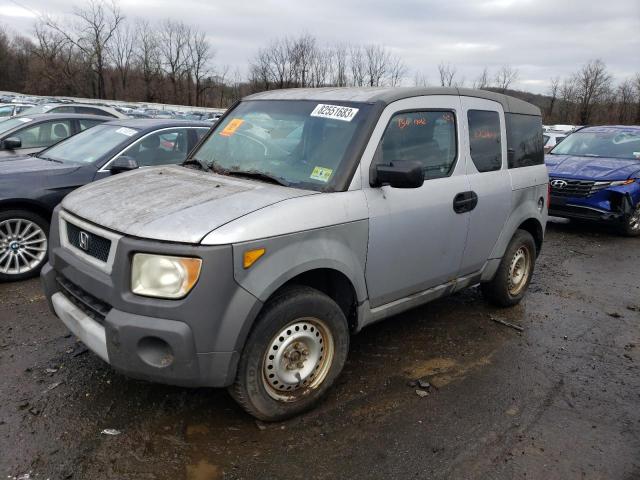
(126, 131)
(335, 112)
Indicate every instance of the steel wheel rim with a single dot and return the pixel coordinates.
(23, 246)
(298, 359)
(519, 270)
(634, 219)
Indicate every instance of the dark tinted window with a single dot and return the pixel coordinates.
(525, 141)
(86, 123)
(93, 111)
(160, 148)
(201, 132)
(484, 140)
(428, 137)
(63, 109)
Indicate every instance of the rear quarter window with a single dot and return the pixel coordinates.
(525, 142)
(484, 140)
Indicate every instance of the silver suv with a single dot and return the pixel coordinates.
(304, 216)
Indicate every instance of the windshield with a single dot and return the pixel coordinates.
(90, 145)
(298, 143)
(618, 143)
(7, 125)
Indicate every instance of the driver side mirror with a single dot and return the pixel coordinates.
(402, 174)
(11, 143)
(123, 164)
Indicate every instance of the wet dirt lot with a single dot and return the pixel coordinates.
(560, 400)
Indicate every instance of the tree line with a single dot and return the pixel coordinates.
(99, 53)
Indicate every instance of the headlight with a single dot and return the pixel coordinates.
(619, 183)
(162, 276)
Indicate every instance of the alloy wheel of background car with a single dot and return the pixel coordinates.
(298, 358)
(519, 270)
(23, 246)
(633, 223)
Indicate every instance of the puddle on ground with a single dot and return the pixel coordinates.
(442, 371)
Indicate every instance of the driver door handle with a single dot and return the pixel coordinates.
(465, 202)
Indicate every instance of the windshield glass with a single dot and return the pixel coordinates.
(7, 125)
(298, 143)
(90, 145)
(618, 143)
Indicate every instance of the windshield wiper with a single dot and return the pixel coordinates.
(258, 175)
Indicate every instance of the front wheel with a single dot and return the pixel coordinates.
(23, 244)
(292, 356)
(631, 226)
(509, 284)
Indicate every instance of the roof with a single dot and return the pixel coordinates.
(62, 116)
(155, 123)
(388, 95)
(605, 128)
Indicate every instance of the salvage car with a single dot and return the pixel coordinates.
(31, 186)
(595, 176)
(87, 109)
(551, 139)
(9, 110)
(32, 134)
(303, 216)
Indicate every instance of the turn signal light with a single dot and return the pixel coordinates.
(251, 256)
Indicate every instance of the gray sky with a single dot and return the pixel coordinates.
(542, 38)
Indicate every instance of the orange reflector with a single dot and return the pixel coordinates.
(251, 256)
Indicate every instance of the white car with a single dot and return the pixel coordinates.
(8, 110)
(551, 139)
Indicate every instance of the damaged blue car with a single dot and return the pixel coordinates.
(594, 174)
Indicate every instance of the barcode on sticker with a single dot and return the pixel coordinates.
(335, 112)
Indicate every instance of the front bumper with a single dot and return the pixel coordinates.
(195, 341)
(612, 205)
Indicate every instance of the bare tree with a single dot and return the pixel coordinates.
(447, 74)
(94, 27)
(173, 47)
(120, 52)
(302, 52)
(625, 99)
(397, 70)
(340, 62)
(377, 64)
(636, 84)
(506, 76)
(593, 83)
(568, 97)
(554, 89)
(483, 81)
(357, 63)
(200, 55)
(420, 79)
(147, 56)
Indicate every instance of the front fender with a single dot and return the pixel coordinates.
(340, 247)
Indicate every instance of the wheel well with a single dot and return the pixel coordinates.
(27, 205)
(534, 227)
(335, 285)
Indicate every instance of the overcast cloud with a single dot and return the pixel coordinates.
(542, 38)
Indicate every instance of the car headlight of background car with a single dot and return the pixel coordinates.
(619, 183)
(163, 276)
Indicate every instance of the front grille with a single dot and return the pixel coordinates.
(95, 246)
(576, 188)
(95, 308)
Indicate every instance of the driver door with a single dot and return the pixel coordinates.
(416, 238)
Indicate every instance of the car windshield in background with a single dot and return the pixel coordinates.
(90, 145)
(601, 143)
(7, 125)
(292, 142)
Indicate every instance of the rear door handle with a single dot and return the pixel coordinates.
(465, 202)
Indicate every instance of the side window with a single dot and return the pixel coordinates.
(160, 148)
(201, 132)
(428, 137)
(92, 111)
(525, 140)
(86, 123)
(6, 111)
(484, 140)
(44, 134)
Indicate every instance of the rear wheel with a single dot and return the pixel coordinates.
(23, 244)
(292, 356)
(510, 282)
(631, 226)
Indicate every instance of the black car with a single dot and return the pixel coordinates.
(31, 134)
(31, 186)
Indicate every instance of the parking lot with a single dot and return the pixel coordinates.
(557, 400)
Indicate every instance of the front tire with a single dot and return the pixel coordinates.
(293, 355)
(631, 226)
(23, 244)
(509, 284)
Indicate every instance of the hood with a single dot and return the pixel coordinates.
(173, 203)
(25, 164)
(591, 168)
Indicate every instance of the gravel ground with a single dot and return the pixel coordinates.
(559, 400)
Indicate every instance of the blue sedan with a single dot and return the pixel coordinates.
(594, 174)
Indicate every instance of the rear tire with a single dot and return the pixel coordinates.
(293, 355)
(631, 226)
(509, 284)
(23, 244)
